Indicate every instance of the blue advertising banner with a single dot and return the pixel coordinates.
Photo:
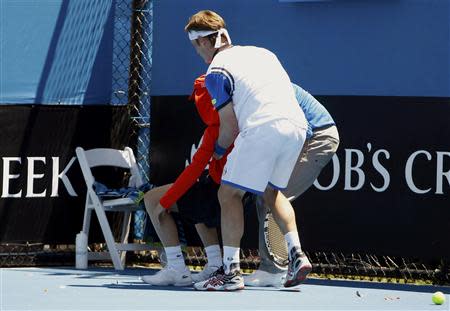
(382, 48)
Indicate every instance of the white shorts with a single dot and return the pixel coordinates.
(264, 155)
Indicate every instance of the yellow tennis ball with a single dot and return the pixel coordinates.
(438, 298)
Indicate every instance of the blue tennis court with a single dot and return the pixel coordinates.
(105, 289)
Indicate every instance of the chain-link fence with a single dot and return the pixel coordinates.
(132, 62)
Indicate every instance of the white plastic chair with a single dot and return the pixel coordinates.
(114, 158)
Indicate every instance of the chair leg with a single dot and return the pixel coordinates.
(87, 215)
(107, 233)
(87, 222)
(125, 234)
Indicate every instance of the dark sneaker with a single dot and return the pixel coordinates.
(219, 280)
(299, 267)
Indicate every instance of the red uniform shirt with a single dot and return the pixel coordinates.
(204, 153)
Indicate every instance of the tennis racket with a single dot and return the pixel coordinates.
(275, 242)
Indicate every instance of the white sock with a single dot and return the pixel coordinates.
(214, 255)
(175, 257)
(292, 240)
(231, 258)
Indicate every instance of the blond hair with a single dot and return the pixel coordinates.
(205, 20)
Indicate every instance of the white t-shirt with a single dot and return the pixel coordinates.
(257, 84)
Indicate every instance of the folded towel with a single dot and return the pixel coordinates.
(134, 193)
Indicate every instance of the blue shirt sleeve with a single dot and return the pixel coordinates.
(316, 114)
(220, 85)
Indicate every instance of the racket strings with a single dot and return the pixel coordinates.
(276, 242)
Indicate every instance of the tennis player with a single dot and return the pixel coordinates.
(194, 196)
(258, 112)
(322, 141)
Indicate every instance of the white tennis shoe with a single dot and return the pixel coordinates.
(222, 281)
(204, 274)
(261, 278)
(168, 276)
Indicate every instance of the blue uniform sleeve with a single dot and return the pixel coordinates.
(316, 114)
(220, 85)
(298, 91)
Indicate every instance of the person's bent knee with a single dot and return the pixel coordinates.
(227, 193)
(151, 200)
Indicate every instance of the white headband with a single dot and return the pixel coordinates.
(195, 34)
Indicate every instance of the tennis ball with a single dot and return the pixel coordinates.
(438, 298)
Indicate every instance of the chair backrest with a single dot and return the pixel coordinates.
(108, 157)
